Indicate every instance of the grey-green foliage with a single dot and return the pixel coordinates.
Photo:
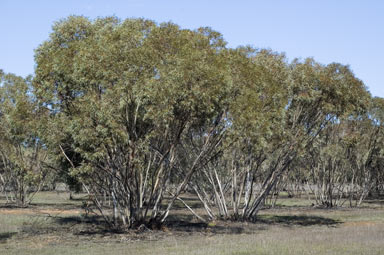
(278, 114)
(141, 110)
(22, 155)
(129, 93)
(344, 162)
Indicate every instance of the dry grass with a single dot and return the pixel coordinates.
(47, 228)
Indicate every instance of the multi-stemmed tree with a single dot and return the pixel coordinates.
(344, 161)
(139, 112)
(130, 94)
(23, 158)
(278, 115)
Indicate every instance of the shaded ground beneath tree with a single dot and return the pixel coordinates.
(46, 228)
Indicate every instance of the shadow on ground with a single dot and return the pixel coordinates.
(85, 225)
(262, 222)
(219, 227)
(182, 224)
(91, 225)
(60, 206)
(11, 206)
(6, 235)
(96, 220)
(296, 220)
(42, 206)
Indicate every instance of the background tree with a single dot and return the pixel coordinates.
(23, 156)
(376, 114)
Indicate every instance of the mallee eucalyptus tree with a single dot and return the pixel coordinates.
(129, 94)
(278, 113)
(23, 158)
(142, 111)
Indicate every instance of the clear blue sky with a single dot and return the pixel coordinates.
(346, 31)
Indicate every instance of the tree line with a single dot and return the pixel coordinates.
(136, 113)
